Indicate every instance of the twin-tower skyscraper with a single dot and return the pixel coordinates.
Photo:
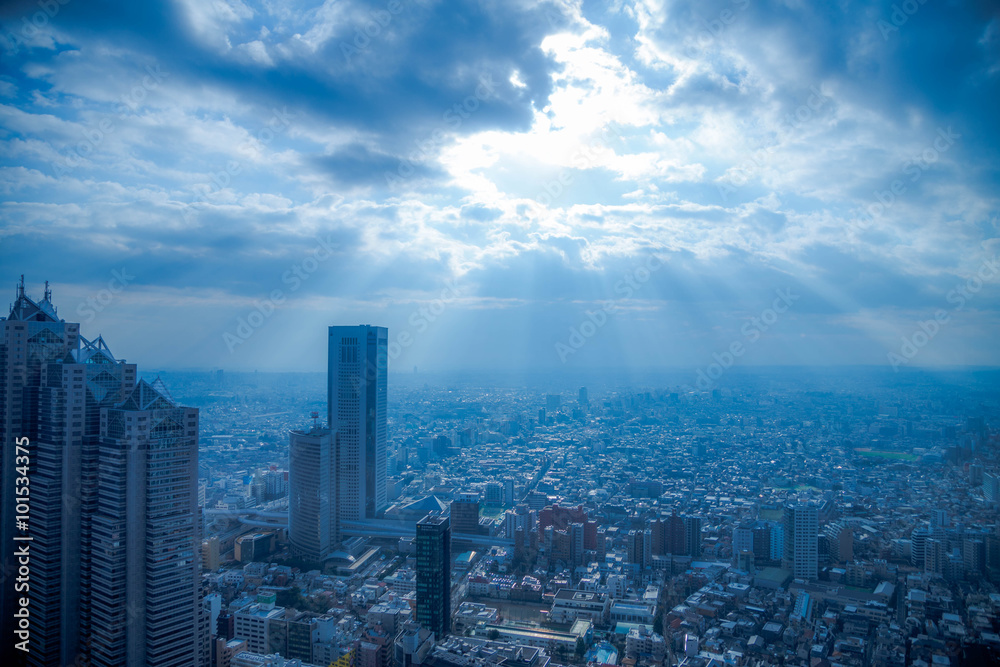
(337, 474)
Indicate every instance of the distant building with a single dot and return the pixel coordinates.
(465, 513)
(254, 547)
(801, 539)
(570, 605)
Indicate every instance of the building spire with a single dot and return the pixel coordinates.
(48, 292)
(20, 288)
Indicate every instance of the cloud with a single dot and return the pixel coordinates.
(535, 152)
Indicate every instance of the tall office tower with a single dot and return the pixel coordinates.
(918, 545)
(675, 535)
(465, 513)
(146, 570)
(801, 539)
(32, 335)
(974, 554)
(69, 399)
(777, 541)
(576, 539)
(602, 545)
(433, 544)
(312, 494)
(508, 491)
(742, 539)
(991, 487)
(640, 548)
(762, 542)
(582, 399)
(356, 396)
(692, 536)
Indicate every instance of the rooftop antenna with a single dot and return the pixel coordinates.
(20, 287)
(315, 417)
(48, 292)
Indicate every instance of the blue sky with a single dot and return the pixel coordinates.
(557, 185)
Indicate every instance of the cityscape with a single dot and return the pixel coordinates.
(499, 333)
(790, 516)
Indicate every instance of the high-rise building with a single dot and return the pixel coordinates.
(433, 546)
(32, 334)
(918, 545)
(465, 513)
(742, 539)
(494, 494)
(801, 539)
(762, 542)
(640, 548)
(692, 536)
(146, 570)
(576, 546)
(356, 400)
(312, 497)
(64, 484)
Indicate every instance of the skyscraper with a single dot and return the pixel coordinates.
(356, 400)
(433, 545)
(692, 535)
(32, 335)
(464, 512)
(312, 494)
(69, 399)
(146, 570)
(801, 539)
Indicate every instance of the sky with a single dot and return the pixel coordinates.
(544, 186)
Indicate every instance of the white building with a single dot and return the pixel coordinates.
(644, 643)
(570, 605)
